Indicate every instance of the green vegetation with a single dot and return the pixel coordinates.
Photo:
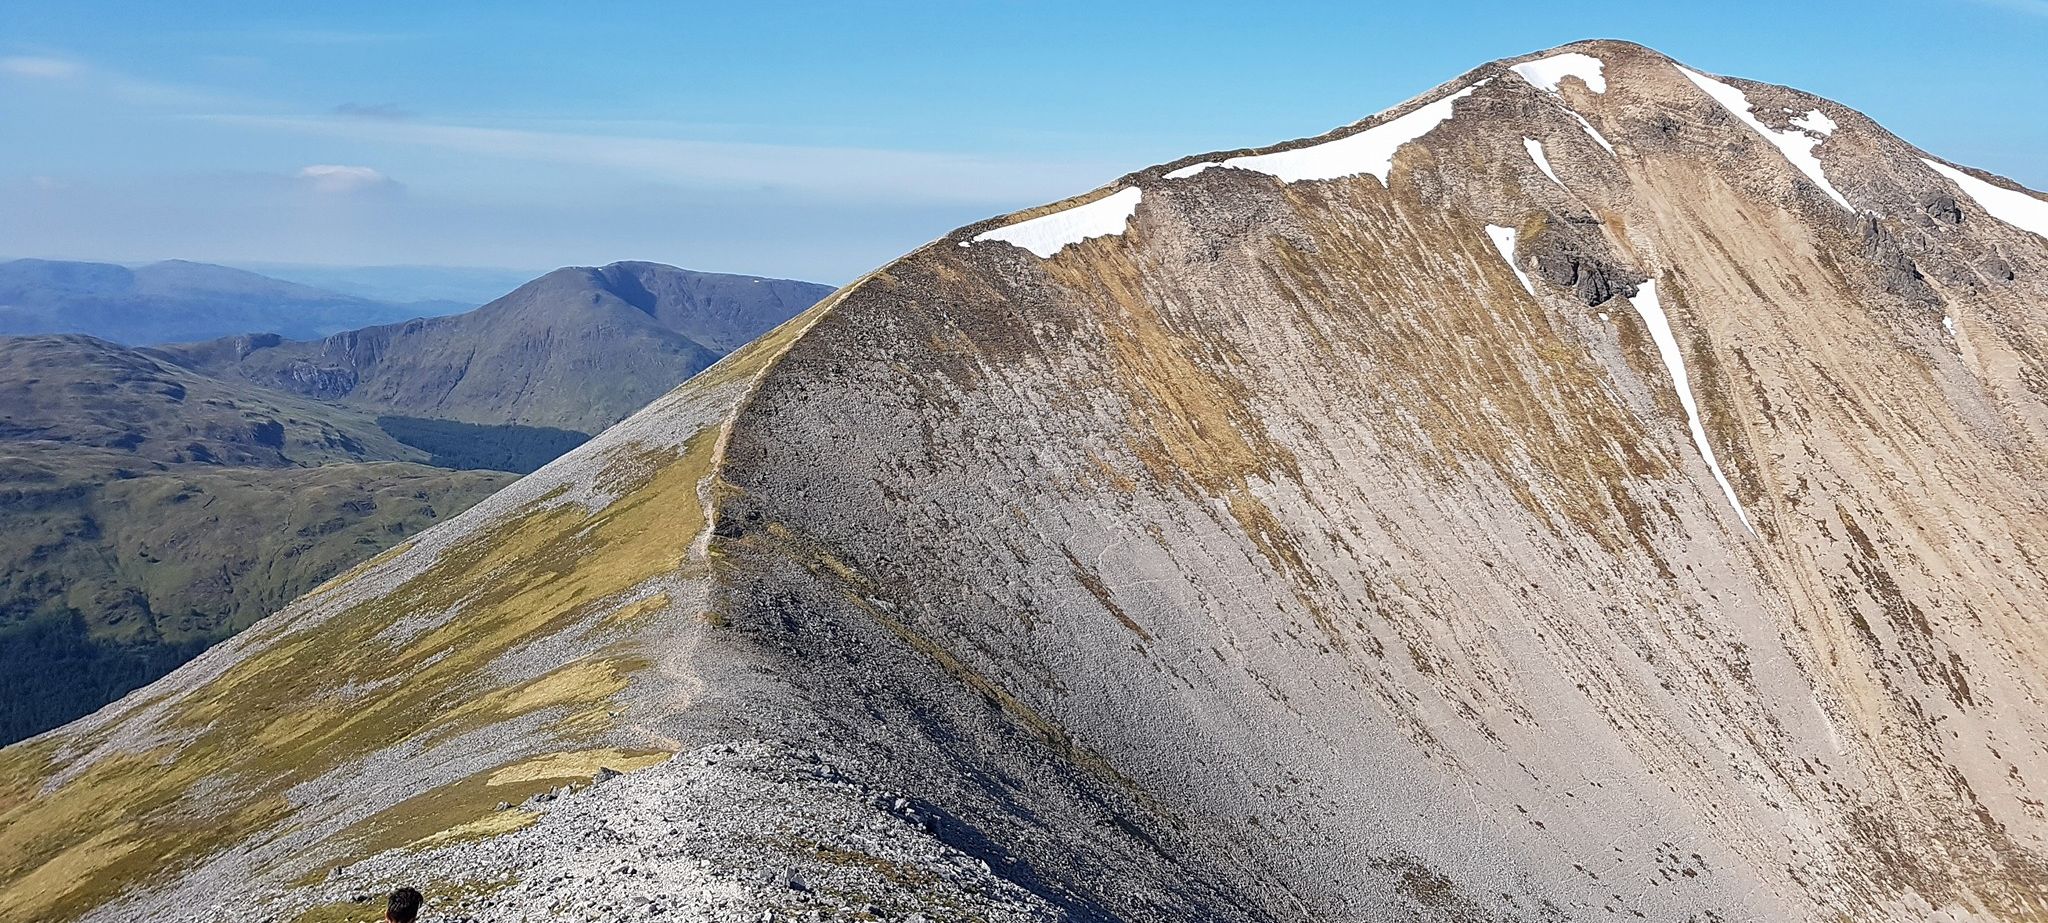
(148, 511)
(279, 717)
(293, 709)
(56, 670)
(578, 348)
(111, 576)
(505, 447)
(87, 393)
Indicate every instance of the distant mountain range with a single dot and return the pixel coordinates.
(578, 348)
(179, 301)
(466, 285)
(155, 500)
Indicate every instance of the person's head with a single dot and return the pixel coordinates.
(403, 906)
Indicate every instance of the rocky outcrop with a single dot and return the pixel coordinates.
(1897, 271)
(1571, 253)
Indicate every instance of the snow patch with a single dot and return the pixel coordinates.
(1545, 73)
(1190, 169)
(1590, 130)
(1046, 235)
(1369, 151)
(1535, 149)
(1795, 143)
(1652, 312)
(1817, 122)
(1504, 241)
(2011, 206)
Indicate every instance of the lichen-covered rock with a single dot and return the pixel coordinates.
(1943, 207)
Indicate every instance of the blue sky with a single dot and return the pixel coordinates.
(810, 140)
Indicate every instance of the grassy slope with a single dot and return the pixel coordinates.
(275, 719)
(147, 511)
(281, 717)
(81, 391)
(110, 576)
(577, 349)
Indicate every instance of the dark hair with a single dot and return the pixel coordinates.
(403, 906)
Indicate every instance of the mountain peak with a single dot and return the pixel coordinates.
(526, 357)
(1629, 101)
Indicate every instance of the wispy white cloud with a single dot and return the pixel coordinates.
(330, 36)
(835, 173)
(40, 67)
(305, 37)
(338, 179)
(229, 216)
(72, 74)
(240, 65)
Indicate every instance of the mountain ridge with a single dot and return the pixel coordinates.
(511, 359)
(77, 389)
(174, 300)
(117, 459)
(1283, 550)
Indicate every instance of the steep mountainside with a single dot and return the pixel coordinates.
(147, 511)
(177, 300)
(577, 349)
(1594, 489)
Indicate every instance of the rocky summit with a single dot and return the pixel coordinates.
(1595, 489)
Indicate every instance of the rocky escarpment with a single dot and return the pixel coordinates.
(1572, 254)
(1594, 488)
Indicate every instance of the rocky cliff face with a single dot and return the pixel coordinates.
(1593, 488)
